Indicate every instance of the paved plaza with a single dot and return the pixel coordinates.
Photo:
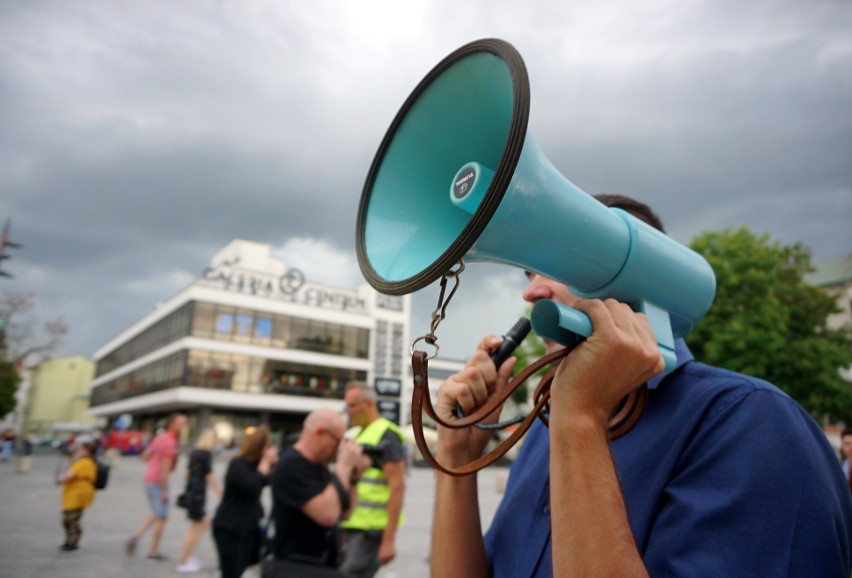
(30, 529)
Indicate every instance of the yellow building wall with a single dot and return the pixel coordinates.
(59, 393)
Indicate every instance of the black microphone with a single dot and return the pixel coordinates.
(502, 352)
(511, 340)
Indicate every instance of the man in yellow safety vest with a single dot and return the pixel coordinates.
(370, 532)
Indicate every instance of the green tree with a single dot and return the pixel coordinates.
(767, 322)
(9, 380)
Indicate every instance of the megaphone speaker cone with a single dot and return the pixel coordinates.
(472, 107)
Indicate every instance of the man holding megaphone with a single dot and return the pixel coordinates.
(724, 474)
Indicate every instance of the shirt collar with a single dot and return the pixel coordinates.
(684, 356)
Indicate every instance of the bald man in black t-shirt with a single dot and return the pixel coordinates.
(310, 499)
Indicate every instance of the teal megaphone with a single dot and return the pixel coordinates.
(458, 177)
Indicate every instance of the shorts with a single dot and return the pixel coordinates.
(159, 508)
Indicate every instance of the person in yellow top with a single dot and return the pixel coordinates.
(78, 493)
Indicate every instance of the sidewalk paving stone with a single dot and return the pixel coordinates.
(31, 532)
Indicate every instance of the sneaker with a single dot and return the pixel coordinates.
(159, 557)
(130, 546)
(68, 547)
(192, 565)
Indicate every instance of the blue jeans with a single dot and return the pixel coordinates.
(159, 508)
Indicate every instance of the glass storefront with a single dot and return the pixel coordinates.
(227, 371)
(258, 375)
(166, 330)
(227, 323)
(240, 325)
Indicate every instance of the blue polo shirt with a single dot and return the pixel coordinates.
(724, 475)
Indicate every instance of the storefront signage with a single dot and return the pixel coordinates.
(389, 387)
(289, 287)
(391, 302)
(389, 410)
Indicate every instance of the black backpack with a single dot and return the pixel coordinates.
(103, 474)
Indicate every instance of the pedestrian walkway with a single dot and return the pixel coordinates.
(30, 530)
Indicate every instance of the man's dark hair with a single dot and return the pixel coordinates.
(638, 209)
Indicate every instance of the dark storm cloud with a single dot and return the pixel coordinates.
(716, 138)
(139, 138)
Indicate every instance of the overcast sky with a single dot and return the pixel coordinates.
(137, 138)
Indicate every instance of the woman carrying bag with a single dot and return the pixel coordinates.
(199, 475)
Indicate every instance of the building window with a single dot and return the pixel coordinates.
(203, 320)
(171, 328)
(397, 347)
(161, 374)
(260, 328)
(381, 353)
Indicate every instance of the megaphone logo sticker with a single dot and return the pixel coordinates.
(464, 183)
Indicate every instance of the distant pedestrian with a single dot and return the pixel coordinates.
(25, 452)
(161, 456)
(100, 444)
(8, 444)
(236, 525)
(78, 492)
(199, 475)
(310, 500)
(370, 531)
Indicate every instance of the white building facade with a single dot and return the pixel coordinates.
(252, 342)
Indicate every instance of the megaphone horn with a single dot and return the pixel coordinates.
(457, 176)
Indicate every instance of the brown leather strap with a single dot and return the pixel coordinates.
(625, 416)
(496, 402)
(421, 401)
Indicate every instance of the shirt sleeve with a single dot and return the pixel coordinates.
(392, 446)
(299, 481)
(245, 478)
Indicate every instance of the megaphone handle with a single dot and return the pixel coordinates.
(621, 421)
(492, 405)
(421, 402)
(562, 324)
